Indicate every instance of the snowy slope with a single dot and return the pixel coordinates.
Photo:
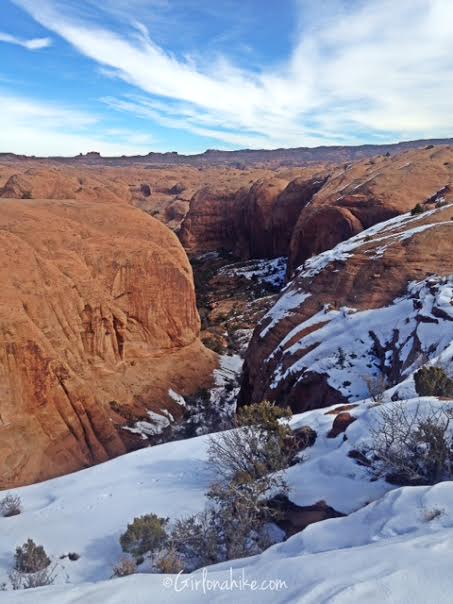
(352, 347)
(87, 511)
(387, 552)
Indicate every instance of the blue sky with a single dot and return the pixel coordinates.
(133, 76)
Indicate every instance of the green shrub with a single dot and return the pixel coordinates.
(433, 381)
(31, 558)
(145, 535)
(417, 209)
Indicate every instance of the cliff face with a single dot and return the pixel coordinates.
(97, 321)
(339, 326)
(254, 221)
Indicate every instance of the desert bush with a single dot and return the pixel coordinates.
(261, 444)
(196, 539)
(170, 562)
(125, 567)
(417, 209)
(31, 558)
(410, 447)
(11, 505)
(145, 535)
(218, 534)
(433, 381)
(377, 385)
(41, 578)
(431, 514)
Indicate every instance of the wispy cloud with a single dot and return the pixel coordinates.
(37, 128)
(358, 71)
(32, 44)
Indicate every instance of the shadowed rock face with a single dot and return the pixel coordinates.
(289, 359)
(97, 321)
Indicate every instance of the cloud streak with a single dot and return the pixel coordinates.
(50, 130)
(358, 71)
(32, 44)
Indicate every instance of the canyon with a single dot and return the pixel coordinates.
(101, 337)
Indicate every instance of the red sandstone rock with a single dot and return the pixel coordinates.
(341, 422)
(97, 321)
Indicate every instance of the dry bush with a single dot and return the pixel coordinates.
(248, 462)
(11, 505)
(125, 567)
(170, 563)
(410, 447)
(377, 385)
(261, 444)
(216, 535)
(41, 578)
(432, 514)
(31, 558)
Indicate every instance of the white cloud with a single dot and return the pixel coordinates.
(32, 44)
(358, 70)
(42, 129)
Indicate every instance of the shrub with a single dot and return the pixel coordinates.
(411, 448)
(417, 209)
(261, 444)
(197, 540)
(377, 385)
(31, 558)
(145, 535)
(433, 381)
(11, 505)
(432, 514)
(218, 534)
(170, 563)
(41, 578)
(125, 567)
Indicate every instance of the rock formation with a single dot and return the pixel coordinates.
(357, 196)
(97, 321)
(371, 308)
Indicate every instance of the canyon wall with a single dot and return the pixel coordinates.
(98, 320)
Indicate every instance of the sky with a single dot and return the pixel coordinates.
(135, 76)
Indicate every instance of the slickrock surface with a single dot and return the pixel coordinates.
(338, 325)
(357, 196)
(97, 321)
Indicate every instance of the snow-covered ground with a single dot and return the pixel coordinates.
(269, 271)
(398, 548)
(414, 328)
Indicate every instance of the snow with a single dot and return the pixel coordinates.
(291, 300)
(272, 272)
(86, 512)
(396, 545)
(343, 347)
(343, 250)
(178, 398)
(229, 370)
(157, 425)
